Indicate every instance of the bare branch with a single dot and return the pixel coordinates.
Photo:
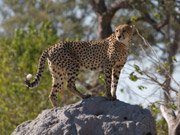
(177, 127)
(98, 6)
(147, 43)
(159, 64)
(116, 5)
(163, 23)
(151, 21)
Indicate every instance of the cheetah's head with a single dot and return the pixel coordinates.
(124, 33)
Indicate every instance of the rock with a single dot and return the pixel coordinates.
(92, 116)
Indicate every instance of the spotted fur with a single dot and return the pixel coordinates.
(68, 57)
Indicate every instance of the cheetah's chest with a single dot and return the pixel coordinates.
(119, 57)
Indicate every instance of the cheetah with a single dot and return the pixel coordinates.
(66, 58)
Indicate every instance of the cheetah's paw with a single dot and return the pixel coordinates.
(111, 98)
(86, 96)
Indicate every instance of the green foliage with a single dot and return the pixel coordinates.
(168, 44)
(102, 79)
(134, 18)
(121, 90)
(174, 59)
(66, 15)
(133, 77)
(157, 15)
(158, 70)
(141, 87)
(137, 68)
(19, 57)
(174, 107)
(161, 125)
(166, 65)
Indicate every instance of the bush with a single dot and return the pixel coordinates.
(19, 56)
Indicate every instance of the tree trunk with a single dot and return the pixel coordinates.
(104, 26)
(105, 15)
(172, 50)
(170, 117)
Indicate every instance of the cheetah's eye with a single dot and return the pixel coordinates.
(116, 30)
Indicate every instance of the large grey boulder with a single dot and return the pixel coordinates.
(92, 116)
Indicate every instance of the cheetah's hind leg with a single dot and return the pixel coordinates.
(72, 74)
(58, 78)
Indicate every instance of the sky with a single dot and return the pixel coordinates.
(151, 93)
(1, 18)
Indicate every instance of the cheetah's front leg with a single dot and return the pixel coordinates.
(115, 77)
(108, 74)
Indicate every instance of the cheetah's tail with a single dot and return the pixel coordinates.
(40, 70)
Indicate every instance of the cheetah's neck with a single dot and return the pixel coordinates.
(112, 41)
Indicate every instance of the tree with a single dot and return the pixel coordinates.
(171, 118)
(158, 21)
(165, 22)
(105, 14)
(17, 102)
(17, 14)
